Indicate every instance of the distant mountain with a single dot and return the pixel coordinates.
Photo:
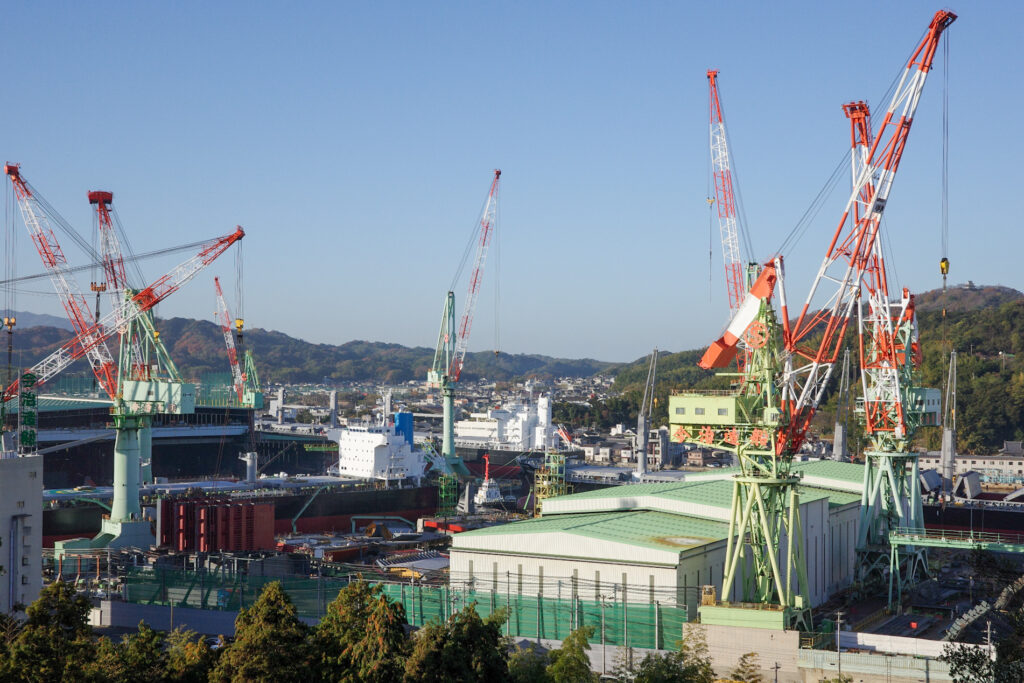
(968, 297)
(26, 319)
(197, 347)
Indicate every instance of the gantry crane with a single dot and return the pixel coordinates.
(452, 342)
(136, 387)
(766, 426)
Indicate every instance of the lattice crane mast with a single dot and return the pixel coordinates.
(728, 216)
(131, 308)
(853, 263)
(37, 221)
(452, 342)
(224, 320)
(725, 198)
(149, 356)
(770, 415)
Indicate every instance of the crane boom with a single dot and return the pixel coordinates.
(224, 320)
(725, 197)
(82, 320)
(854, 253)
(128, 309)
(488, 223)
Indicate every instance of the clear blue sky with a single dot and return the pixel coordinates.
(355, 143)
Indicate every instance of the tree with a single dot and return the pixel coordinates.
(967, 663)
(748, 669)
(661, 668)
(528, 665)
(270, 642)
(55, 642)
(465, 648)
(693, 650)
(189, 659)
(140, 657)
(570, 663)
(362, 637)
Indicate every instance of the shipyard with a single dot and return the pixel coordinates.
(278, 417)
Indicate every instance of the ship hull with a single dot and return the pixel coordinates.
(331, 510)
(974, 518)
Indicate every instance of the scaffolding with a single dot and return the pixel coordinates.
(447, 494)
(549, 481)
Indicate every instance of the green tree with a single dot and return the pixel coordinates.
(140, 657)
(362, 637)
(528, 665)
(189, 659)
(270, 642)
(748, 669)
(55, 642)
(967, 663)
(570, 663)
(465, 648)
(693, 650)
(661, 668)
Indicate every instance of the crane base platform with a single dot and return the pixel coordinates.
(749, 615)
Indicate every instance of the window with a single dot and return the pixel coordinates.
(698, 411)
(723, 411)
(680, 411)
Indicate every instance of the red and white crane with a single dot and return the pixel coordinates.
(452, 342)
(488, 222)
(129, 309)
(853, 263)
(83, 322)
(224, 320)
(725, 198)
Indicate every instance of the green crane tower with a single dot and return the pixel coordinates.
(764, 560)
(452, 342)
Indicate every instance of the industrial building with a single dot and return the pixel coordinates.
(656, 542)
(21, 529)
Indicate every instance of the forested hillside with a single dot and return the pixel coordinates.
(985, 325)
(197, 347)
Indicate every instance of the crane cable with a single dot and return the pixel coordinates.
(944, 260)
(817, 203)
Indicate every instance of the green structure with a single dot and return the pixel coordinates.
(549, 481)
(443, 375)
(770, 577)
(892, 408)
(148, 383)
(447, 494)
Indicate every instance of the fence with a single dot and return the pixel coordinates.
(633, 624)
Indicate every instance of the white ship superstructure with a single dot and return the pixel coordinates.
(523, 425)
(379, 451)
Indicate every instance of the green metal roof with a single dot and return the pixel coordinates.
(716, 493)
(55, 403)
(642, 528)
(849, 472)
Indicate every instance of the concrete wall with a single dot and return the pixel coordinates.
(527, 575)
(726, 644)
(21, 530)
(163, 618)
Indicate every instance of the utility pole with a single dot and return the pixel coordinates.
(776, 667)
(839, 650)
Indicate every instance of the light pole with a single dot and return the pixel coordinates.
(604, 645)
(839, 650)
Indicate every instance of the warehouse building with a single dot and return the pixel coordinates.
(655, 543)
